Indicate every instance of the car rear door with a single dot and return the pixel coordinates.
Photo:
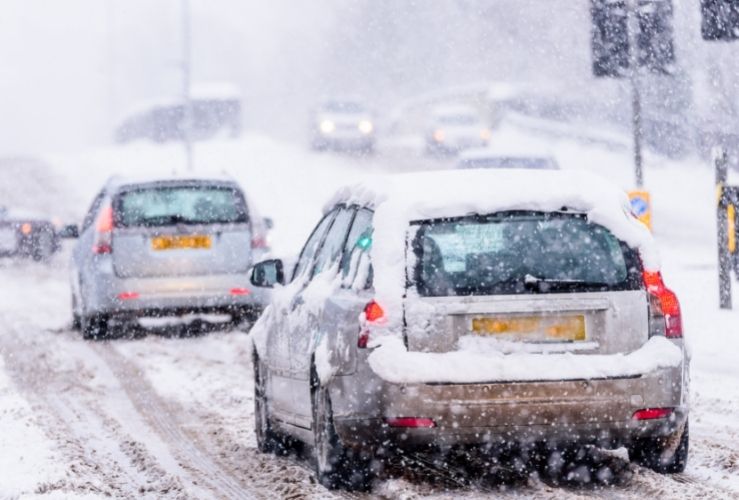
(180, 229)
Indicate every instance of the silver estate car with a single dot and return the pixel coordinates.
(527, 326)
(166, 247)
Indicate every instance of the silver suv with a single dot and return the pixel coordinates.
(166, 247)
(411, 322)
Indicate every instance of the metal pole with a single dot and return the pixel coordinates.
(110, 39)
(632, 23)
(186, 84)
(722, 229)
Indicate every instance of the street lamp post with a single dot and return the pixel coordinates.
(632, 22)
(186, 84)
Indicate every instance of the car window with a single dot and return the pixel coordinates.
(360, 237)
(309, 250)
(333, 245)
(92, 211)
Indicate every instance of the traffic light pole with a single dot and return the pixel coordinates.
(636, 109)
(721, 163)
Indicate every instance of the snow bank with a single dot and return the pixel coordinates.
(393, 363)
(400, 199)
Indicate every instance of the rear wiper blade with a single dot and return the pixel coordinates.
(536, 281)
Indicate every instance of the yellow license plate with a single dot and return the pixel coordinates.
(532, 328)
(181, 242)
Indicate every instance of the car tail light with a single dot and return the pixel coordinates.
(652, 413)
(373, 315)
(240, 291)
(259, 241)
(665, 316)
(411, 422)
(128, 295)
(103, 243)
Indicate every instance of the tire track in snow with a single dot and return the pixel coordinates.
(165, 420)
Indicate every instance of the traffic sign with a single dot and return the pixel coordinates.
(641, 206)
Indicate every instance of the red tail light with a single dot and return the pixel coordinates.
(373, 314)
(665, 306)
(259, 242)
(128, 295)
(652, 413)
(104, 232)
(412, 422)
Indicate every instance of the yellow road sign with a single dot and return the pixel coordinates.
(641, 206)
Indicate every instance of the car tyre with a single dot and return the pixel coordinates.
(267, 439)
(43, 247)
(94, 327)
(656, 454)
(336, 465)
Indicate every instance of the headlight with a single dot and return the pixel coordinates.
(485, 134)
(26, 228)
(365, 126)
(327, 126)
(438, 135)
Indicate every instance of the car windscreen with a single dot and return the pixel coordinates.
(343, 107)
(168, 205)
(520, 253)
(458, 120)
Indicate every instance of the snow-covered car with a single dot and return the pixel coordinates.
(342, 125)
(25, 234)
(489, 158)
(166, 247)
(472, 308)
(454, 128)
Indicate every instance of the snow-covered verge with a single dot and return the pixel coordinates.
(28, 459)
(394, 363)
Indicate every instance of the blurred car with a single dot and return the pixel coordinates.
(488, 158)
(454, 128)
(166, 247)
(342, 125)
(474, 308)
(24, 234)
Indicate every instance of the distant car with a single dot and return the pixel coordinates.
(454, 128)
(24, 234)
(488, 158)
(166, 247)
(342, 125)
(509, 310)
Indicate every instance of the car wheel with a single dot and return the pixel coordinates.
(94, 326)
(666, 455)
(336, 466)
(267, 439)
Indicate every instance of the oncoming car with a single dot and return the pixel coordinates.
(342, 125)
(476, 309)
(166, 247)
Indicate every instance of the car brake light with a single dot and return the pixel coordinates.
(128, 295)
(665, 307)
(412, 422)
(259, 242)
(373, 314)
(652, 413)
(103, 243)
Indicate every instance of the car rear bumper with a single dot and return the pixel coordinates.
(137, 297)
(556, 413)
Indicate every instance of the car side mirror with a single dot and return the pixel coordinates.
(268, 222)
(70, 231)
(268, 273)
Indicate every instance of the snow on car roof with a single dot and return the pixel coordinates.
(118, 181)
(403, 198)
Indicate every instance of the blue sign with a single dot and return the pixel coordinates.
(639, 206)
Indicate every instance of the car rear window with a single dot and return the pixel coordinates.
(167, 205)
(520, 253)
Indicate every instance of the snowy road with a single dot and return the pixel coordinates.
(164, 417)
